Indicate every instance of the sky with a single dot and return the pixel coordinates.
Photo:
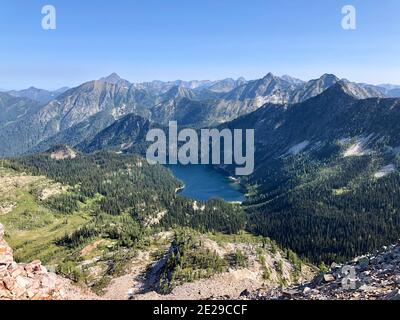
(145, 40)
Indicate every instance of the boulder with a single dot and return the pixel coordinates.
(329, 278)
(363, 263)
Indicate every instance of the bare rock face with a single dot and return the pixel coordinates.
(62, 153)
(26, 281)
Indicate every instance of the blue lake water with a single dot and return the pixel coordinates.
(203, 183)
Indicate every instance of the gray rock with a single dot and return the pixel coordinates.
(245, 293)
(394, 295)
(329, 278)
(363, 263)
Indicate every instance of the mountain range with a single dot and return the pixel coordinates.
(73, 116)
(40, 95)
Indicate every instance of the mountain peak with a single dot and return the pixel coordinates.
(269, 75)
(113, 78)
(349, 89)
(329, 77)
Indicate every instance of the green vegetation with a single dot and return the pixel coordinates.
(102, 208)
(188, 261)
(238, 260)
(326, 207)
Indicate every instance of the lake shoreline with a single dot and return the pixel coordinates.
(203, 183)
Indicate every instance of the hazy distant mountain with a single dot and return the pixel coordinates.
(292, 80)
(12, 108)
(179, 104)
(389, 86)
(161, 87)
(226, 85)
(40, 95)
(390, 90)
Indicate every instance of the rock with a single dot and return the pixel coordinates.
(33, 267)
(367, 288)
(335, 266)
(245, 293)
(394, 295)
(6, 254)
(363, 263)
(318, 279)
(329, 278)
(289, 293)
(23, 282)
(1, 231)
(306, 290)
(9, 283)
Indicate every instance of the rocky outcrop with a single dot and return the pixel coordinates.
(62, 153)
(26, 281)
(371, 277)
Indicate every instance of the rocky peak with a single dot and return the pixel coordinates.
(329, 78)
(270, 78)
(114, 78)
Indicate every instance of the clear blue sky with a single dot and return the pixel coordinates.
(143, 40)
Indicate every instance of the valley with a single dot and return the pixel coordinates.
(78, 194)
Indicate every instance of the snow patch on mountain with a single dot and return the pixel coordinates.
(384, 171)
(298, 147)
(359, 148)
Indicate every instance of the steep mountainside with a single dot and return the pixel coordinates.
(126, 135)
(96, 98)
(335, 151)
